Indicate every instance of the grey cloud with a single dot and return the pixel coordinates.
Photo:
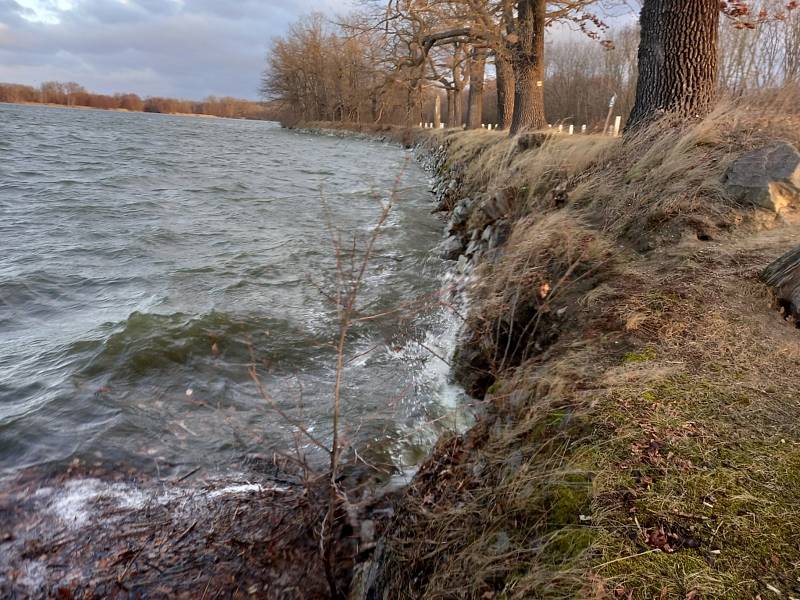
(189, 49)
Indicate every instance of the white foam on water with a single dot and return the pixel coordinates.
(33, 575)
(245, 489)
(72, 504)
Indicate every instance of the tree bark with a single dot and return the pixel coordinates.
(677, 59)
(527, 59)
(458, 107)
(477, 72)
(451, 108)
(505, 91)
(460, 79)
(437, 111)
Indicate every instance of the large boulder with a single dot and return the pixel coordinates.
(768, 177)
(783, 276)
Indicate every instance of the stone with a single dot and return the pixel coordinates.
(783, 276)
(500, 234)
(499, 205)
(768, 177)
(367, 533)
(473, 247)
(460, 214)
(451, 248)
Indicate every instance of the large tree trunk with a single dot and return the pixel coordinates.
(528, 61)
(451, 108)
(460, 79)
(505, 92)
(477, 71)
(677, 59)
(458, 107)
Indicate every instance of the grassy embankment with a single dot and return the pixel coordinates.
(641, 433)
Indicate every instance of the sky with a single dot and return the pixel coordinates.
(178, 48)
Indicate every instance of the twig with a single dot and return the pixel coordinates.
(627, 557)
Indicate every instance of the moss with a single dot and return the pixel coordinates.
(639, 357)
(567, 544)
(565, 503)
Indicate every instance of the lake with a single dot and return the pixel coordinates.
(149, 260)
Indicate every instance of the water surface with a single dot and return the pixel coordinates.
(147, 259)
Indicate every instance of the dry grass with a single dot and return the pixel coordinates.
(649, 448)
(549, 262)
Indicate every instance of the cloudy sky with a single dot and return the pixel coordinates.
(181, 48)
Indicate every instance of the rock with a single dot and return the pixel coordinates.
(487, 234)
(783, 276)
(451, 248)
(500, 205)
(463, 262)
(473, 247)
(500, 234)
(460, 214)
(471, 368)
(767, 178)
(367, 533)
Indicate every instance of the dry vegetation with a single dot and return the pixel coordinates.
(644, 443)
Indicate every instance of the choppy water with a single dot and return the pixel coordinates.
(143, 256)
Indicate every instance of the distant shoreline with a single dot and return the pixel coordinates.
(124, 110)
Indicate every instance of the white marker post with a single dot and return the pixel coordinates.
(617, 125)
(583, 129)
(571, 129)
(560, 128)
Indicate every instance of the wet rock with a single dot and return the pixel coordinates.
(471, 368)
(451, 248)
(768, 177)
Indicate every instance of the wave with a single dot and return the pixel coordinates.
(149, 343)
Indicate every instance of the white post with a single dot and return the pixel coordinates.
(617, 124)
(441, 125)
(571, 129)
(583, 129)
(420, 125)
(560, 128)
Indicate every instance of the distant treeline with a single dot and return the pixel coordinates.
(73, 94)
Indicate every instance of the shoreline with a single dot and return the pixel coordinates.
(607, 460)
(124, 110)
